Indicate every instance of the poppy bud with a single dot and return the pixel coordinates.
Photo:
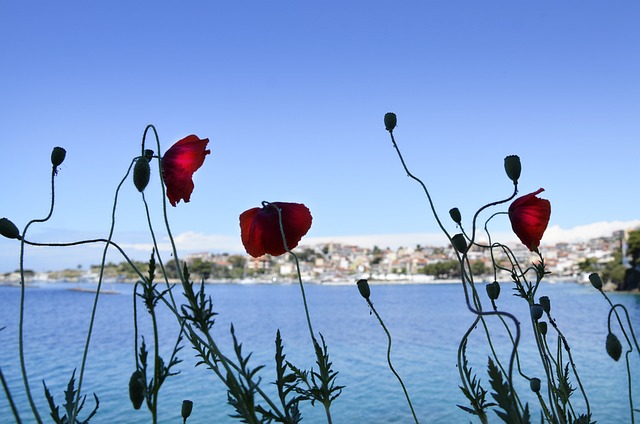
(614, 348)
(460, 243)
(187, 407)
(363, 287)
(512, 167)
(9, 229)
(454, 213)
(493, 290)
(141, 173)
(536, 312)
(545, 302)
(542, 328)
(57, 156)
(596, 281)
(390, 121)
(534, 383)
(137, 389)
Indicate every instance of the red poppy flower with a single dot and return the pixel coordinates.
(529, 217)
(260, 227)
(178, 165)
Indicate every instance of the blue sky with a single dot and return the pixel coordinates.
(292, 96)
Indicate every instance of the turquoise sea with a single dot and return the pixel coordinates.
(426, 322)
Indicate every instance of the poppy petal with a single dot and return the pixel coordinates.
(260, 228)
(178, 165)
(529, 216)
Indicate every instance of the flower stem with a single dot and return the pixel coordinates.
(22, 296)
(404, 389)
(5, 386)
(97, 296)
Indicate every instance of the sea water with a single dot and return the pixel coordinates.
(426, 323)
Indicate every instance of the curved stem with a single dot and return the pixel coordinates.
(97, 296)
(404, 389)
(463, 274)
(89, 241)
(22, 296)
(286, 247)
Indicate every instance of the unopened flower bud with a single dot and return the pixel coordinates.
(455, 215)
(614, 348)
(363, 287)
(137, 389)
(596, 281)
(187, 407)
(460, 243)
(493, 290)
(536, 312)
(57, 156)
(512, 167)
(545, 302)
(542, 328)
(390, 121)
(9, 229)
(141, 173)
(534, 383)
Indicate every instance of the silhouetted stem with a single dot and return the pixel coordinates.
(97, 296)
(295, 258)
(22, 295)
(5, 386)
(635, 341)
(404, 389)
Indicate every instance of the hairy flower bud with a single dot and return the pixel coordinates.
(614, 348)
(493, 290)
(596, 281)
(141, 173)
(534, 383)
(187, 407)
(363, 287)
(57, 156)
(9, 229)
(542, 328)
(545, 302)
(512, 167)
(460, 243)
(536, 312)
(137, 389)
(390, 121)
(454, 213)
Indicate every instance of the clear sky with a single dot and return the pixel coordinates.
(292, 96)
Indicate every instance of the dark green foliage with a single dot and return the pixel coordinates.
(242, 395)
(508, 410)
(320, 384)
(163, 370)
(70, 404)
(475, 393)
(199, 311)
(150, 295)
(286, 384)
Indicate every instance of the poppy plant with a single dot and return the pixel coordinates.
(260, 227)
(529, 217)
(178, 165)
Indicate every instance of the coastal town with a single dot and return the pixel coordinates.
(335, 263)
